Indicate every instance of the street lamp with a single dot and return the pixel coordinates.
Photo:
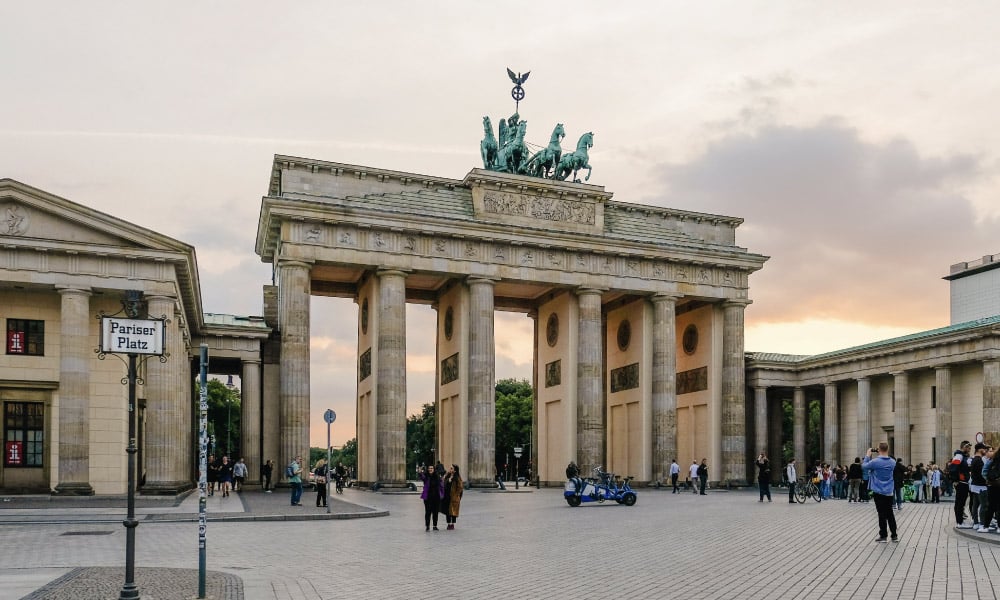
(229, 414)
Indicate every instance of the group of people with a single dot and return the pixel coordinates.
(224, 475)
(442, 492)
(975, 473)
(697, 476)
(322, 473)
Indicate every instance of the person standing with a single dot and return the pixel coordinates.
(898, 477)
(431, 495)
(958, 473)
(854, 477)
(453, 489)
(212, 477)
(935, 477)
(675, 472)
(266, 471)
(295, 480)
(880, 481)
(693, 476)
(792, 477)
(991, 473)
(703, 474)
(321, 474)
(977, 485)
(764, 476)
(239, 475)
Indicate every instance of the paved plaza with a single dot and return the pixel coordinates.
(525, 545)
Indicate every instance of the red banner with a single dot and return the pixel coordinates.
(15, 342)
(13, 455)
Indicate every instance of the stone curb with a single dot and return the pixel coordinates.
(193, 518)
(984, 538)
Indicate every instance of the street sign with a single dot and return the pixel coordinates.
(132, 336)
(517, 452)
(329, 416)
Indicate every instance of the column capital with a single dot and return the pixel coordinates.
(74, 289)
(761, 387)
(588, 291)
(664, 296)
(736, 302)
(863, 378)
(295, 262)
(391, 273)
(943, 368)
(481, 279)
(250, 361)
(829, 384)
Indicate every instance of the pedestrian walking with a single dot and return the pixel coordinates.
(792, 477)
(266, 471)
(675, 472)
(703, 474)
(212, 476)
(882, 485)
(431, 495)
(239, 475)
(693, 476)
(764, 476)
(225, 476)
(935, 478)
(453, 489)
(977, 486)
(294, 474)
(898, 476)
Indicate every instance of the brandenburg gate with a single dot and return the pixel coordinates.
(638, 316)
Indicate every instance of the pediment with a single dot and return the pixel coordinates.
(29, 214)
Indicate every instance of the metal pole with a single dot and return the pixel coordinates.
(329, 457)
(203, 471)
(129, 590)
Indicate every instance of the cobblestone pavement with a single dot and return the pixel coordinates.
(531, 544)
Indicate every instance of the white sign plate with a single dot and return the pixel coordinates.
(132, 336)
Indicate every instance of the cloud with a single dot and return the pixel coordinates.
(856, 230)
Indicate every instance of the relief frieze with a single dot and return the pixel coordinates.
(547, 209)
(625, 378)
(449, 369)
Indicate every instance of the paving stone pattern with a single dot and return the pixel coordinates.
(153, 584)
(532, 545)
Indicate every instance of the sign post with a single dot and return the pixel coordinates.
(202, 470)
(329, 416)
(517, 465)
(132, 337)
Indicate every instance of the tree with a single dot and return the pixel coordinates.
(514, 400)
(421, 436)
(223, 417)
(347, 454)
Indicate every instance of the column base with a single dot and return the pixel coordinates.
(165, 488)
(73, 489)
(483, 483)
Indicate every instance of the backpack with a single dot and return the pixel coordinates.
(289, 472)
(993, 472)
(953, 470)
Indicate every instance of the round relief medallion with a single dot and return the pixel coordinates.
(552, 330)
(624, 334)
(364, 316)
(690, 339)
(449, 323)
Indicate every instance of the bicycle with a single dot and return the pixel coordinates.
(806, 488)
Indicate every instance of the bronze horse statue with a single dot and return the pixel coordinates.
(547, 158)
(574, 161)
(488, 146)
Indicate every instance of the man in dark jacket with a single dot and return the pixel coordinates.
(977, 486)
(764, 476)
(958, 471)
(898, 475)
(854, 475)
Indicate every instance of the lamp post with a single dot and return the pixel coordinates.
(517, 465)
(229, 416)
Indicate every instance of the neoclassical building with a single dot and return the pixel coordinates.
(923, 393)
(65, 409)
(638, 311)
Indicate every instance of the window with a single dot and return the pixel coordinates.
(893, 401)
(24, 434)
(933, 396)
(25, 337)
(933, 448)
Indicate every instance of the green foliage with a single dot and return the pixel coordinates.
(514, 399)
(223, 417)
(420, 438)
(348, 454)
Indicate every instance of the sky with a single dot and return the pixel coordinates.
(860, 142)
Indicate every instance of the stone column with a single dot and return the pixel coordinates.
(831, 431)
(294, 287)
(391, 384)
(942, 416)
(664, 396)
(760, 421)
(533, 315)
(164, 409)
(482, 384)
(901, 425)
(864, 416)
(734, 440)
(776, 439)
(799, 429)
(590, 382)
(75, 352)
(250, 406)
(991, 401)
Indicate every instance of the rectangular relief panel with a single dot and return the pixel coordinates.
(449, 369)
(625, 378)
(365, 365)
(553, 373)
(695, 380)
